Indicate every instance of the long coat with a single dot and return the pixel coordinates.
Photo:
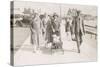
(56, 26)
(34, 27)
(77, 28)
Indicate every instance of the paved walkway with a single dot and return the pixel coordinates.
(26, 56)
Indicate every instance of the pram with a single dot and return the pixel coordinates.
(57, 43)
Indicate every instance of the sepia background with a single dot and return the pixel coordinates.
(23, 48)
(5, 35)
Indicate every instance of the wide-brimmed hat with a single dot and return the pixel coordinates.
(55, 14)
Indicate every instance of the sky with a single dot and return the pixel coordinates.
(53, 7)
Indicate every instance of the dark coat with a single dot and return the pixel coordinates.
(67, 26)
(77, 28)
(49, 32)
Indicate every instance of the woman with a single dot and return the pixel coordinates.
(49, 30)
(34, 27)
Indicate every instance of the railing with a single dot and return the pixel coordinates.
(91, 30)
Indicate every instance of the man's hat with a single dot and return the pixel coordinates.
(78, 11)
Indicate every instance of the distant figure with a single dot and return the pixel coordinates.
(68, 27)
(43, 25)
(63, 29)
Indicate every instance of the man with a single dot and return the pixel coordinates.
(79, 29)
